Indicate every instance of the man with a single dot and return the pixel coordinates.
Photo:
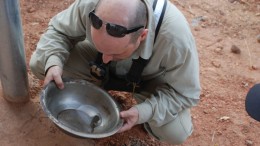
(120, 45)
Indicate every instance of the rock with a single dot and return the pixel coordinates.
(235, 49)
(258, 38)
(203, 25)
(216, 64)
(31, 10)
(202, 95)
(219, 133)
(224, 118)
(254, 67)
(218, 49)
(249, 143)
(222, 13)
(232, 1)
(204, 18)
(197, 28)
(205, 112)
(214, 109)
(244, 84)
(195, 21)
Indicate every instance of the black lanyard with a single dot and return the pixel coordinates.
(159, 9)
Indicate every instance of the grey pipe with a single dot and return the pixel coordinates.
(13, 72)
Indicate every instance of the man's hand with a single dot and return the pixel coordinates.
(130, 119)
(54, 73)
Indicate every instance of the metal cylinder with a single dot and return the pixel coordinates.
(13, 72)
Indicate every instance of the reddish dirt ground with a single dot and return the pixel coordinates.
(226, 76)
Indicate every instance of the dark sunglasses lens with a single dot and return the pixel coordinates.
(116, 30)
(95, 21)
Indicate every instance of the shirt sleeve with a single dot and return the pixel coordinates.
(180, 90)
(64, 30)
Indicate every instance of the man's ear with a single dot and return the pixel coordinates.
(144, 34)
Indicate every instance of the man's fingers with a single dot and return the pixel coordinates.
(125, 127)
(54, 73)
(57, 79)
(59, 82)
(130, 117)
(47, 80)
(124, 114)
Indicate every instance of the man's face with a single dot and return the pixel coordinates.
(113, 48)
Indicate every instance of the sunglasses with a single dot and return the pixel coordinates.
(112, 29)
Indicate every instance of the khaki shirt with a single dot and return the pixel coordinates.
(173, 56)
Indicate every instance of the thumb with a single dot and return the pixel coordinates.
(124, 114)
(59, 82)
(46, 80)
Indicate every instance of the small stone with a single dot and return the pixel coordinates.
(216, 64)
(214, 109)
(31, 10)
(224, 118)
(197, 28)
(204, 18)
(219, 39)
(196, 21)
(219, 133)
(254, 67)
(235, 49)
(232, 1)
(202, 95)
(203, 25)
(258, 38)
(218, 49)
(249, 143)
(244, 84)
(205, 112)
(222, 13)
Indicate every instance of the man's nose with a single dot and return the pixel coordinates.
(107, 58)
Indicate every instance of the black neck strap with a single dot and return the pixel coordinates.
(135, 73)
(159, 7)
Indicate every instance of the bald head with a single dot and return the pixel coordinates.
(126, 6)
(132, 12)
